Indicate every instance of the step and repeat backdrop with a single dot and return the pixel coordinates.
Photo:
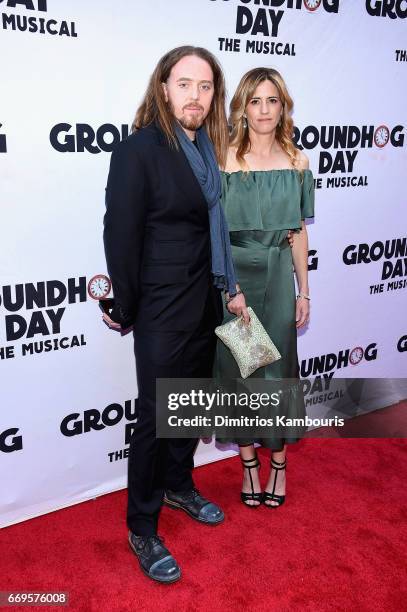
(72, 76)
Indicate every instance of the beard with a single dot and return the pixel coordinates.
(191, 123)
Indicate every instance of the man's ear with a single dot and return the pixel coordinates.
(165, 89)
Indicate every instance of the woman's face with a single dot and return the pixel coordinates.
(264, 109)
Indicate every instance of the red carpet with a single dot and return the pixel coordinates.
(338, 543)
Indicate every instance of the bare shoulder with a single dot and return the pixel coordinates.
(232, 165)
(303, 161)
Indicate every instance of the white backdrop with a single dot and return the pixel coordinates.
(344, 67)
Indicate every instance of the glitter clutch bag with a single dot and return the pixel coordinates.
(250, 345)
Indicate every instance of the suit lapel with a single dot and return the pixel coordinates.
(188, 182)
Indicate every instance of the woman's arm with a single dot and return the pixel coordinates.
(300, 259)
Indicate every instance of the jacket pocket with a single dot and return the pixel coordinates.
(169, 250)
(163, 274)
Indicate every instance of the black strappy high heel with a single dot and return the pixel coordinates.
(251, 464)
(280, 499)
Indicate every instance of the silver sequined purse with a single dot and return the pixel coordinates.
(250, 345)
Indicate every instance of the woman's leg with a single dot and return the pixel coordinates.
(277, 480)
(251, 490)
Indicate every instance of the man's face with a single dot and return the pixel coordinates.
(189, 91)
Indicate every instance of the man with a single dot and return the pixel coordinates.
(168, 255)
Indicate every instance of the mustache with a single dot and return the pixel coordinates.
(193, 106)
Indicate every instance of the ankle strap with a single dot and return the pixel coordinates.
(248, 463)
(278, 465)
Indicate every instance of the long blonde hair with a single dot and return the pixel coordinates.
(155, 108)
(239, 136)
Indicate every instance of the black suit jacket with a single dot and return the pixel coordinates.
(156, 236)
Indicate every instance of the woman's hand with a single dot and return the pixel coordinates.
(301, 311)
(237, 306)
(290, 238)
(110, 323)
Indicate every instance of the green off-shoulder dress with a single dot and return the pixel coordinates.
(261, 207)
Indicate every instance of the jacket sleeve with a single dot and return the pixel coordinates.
(124, 229)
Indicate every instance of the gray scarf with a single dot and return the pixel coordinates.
(205, 167)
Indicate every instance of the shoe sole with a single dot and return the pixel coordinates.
(169, 581)
(273, 506)
(176, 506)
(254, 506)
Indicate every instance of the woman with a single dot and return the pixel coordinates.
(267, 191)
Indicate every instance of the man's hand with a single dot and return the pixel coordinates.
(110, 323)
(237, 306)
(290, 238)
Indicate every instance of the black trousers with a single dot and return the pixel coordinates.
(158, 464)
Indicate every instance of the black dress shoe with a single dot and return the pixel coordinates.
(195, 505)
(155, 559)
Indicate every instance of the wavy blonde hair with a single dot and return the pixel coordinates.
(239, 135)
(154, 107)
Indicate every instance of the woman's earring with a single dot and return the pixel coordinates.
(244, 122)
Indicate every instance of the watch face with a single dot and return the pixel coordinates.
(381, 136)
(312, 5)
(356, 355)
(99, 286)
